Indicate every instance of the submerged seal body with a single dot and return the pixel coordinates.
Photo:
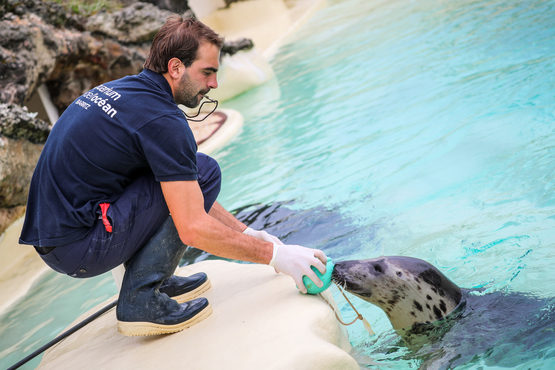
(410, 291)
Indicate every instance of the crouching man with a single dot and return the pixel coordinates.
(120, 182)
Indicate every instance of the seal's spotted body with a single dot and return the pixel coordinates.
(409, 290)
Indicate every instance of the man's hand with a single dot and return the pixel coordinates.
(262, 235)
(295, 261)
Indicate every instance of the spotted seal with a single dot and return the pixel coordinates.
(410, 291)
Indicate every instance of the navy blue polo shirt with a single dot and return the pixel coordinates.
(101, 143)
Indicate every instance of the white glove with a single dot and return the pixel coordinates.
(262, 235)
(295, 261)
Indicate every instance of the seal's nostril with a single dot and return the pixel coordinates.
(378, 268)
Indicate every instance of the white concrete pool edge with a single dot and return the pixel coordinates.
(20, 267)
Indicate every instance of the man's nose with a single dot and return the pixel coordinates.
(213, 82)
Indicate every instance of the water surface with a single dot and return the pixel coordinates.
(417, 128)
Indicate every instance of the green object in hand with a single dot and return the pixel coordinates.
(326, 279)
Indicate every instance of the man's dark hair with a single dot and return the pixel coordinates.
(180, 37)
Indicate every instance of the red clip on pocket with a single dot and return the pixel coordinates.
(104, 208)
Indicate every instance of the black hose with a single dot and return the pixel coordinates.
(65, 334)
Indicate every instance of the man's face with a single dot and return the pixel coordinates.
(200, 77)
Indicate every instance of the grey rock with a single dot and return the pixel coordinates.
(18, 158)
(9, 215)
(28, 51)
(50, 12)
(94, 59)
(229, 2)
(232, 47)
(177, 6)
(136, 23)
(21, 141)
(17, 123)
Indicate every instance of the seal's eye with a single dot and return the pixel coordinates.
(399, 273)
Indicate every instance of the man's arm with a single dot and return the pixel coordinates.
(198, 229)
(226, 218)
(225, 239)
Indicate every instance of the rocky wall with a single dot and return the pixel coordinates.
(21, 141)
(69, 54)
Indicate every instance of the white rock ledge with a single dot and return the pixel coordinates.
(260, 321)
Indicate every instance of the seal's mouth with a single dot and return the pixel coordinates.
(342, 279)
(346, 280)
(338, 278)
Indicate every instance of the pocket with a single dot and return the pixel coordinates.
(99, 235)
(100, 258)
(64, 258)
(50, 258)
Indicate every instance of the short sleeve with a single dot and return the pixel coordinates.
(169, 147)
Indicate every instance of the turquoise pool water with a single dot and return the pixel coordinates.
(425, 129)
(417, 128)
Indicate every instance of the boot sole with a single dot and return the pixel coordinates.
(185, 297)
(139, 329)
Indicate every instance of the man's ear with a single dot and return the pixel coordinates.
(175, 67)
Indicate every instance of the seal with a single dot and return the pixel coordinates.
(409, 290)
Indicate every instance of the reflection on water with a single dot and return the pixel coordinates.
(420, 128)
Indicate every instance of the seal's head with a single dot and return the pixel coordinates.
(410, 291)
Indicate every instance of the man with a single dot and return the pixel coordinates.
(118, 162)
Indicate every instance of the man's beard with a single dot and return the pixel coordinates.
(186, 93)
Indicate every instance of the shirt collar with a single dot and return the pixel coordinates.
(159, 80)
